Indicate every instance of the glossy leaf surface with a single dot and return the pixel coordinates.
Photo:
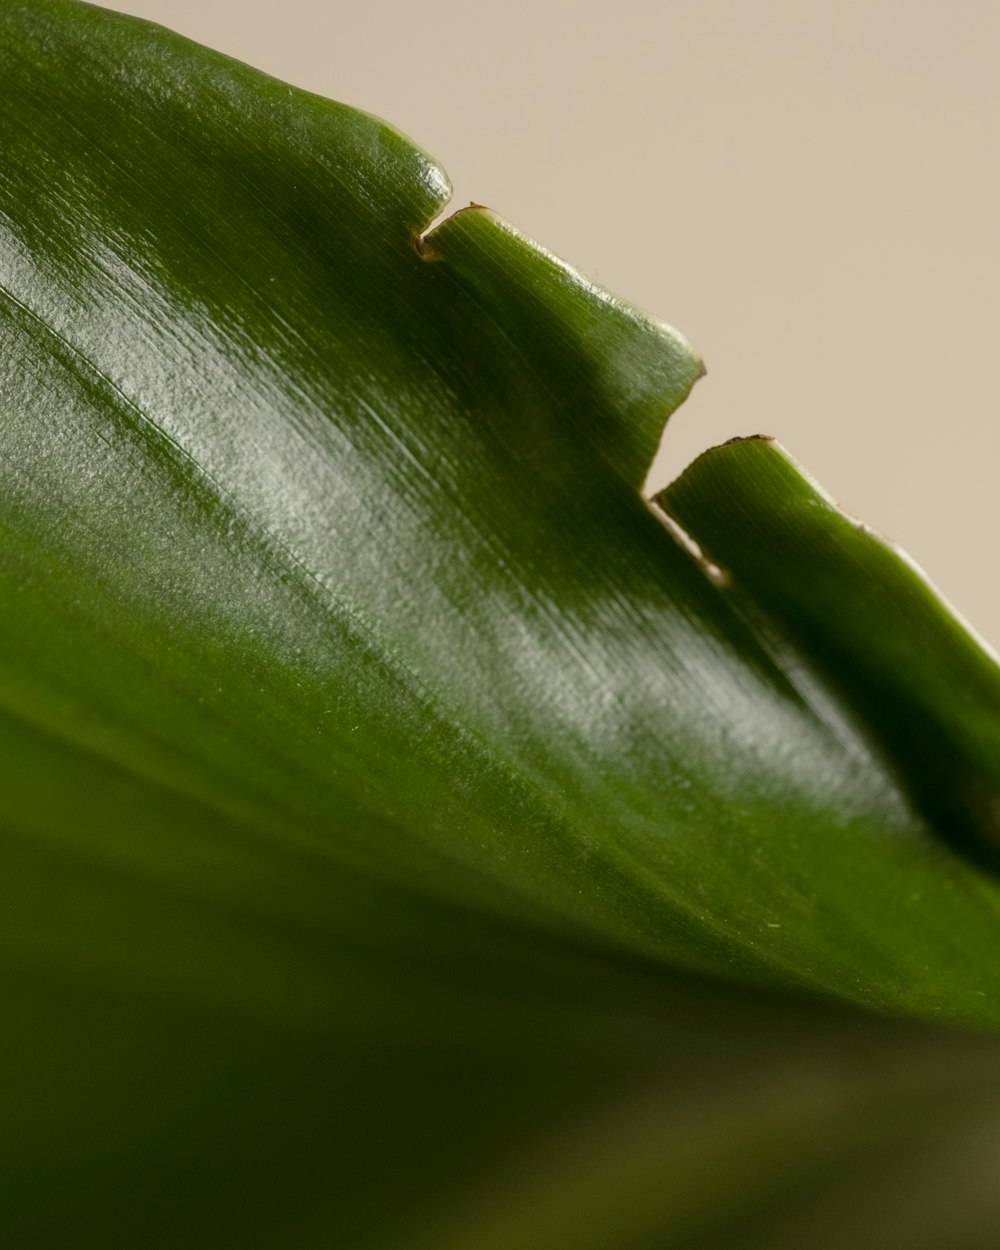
(406, 840)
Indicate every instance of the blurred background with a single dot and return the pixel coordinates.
(808, 189)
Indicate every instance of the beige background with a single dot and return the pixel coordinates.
(810, 190)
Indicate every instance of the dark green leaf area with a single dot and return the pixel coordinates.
(392, 804)
(247, 1049)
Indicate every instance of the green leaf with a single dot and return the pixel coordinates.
(408, 839)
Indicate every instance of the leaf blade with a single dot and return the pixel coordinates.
(347, 732)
